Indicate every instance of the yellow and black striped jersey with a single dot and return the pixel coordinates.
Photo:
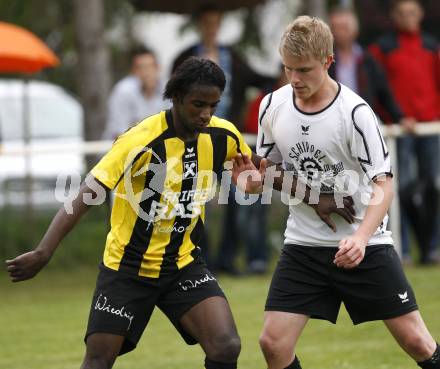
(161, 184)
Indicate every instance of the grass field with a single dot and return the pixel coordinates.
(43, 321)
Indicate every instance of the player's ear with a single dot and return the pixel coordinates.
(177, 100)
(328, 61)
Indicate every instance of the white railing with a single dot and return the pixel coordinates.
(390, 132)
(85, 148)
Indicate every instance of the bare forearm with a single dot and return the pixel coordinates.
(282, 178)
(377, 209)
(63, 223)
(60, 226)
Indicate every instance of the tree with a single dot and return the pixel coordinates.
(93, 64)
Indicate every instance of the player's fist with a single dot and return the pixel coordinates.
(26, 265)
(351, 252)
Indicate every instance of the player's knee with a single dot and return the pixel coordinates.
(275, 346)
(224, 348)
(269, 345)
(232, 348)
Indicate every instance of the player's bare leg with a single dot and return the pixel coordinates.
(102, 350)
(411, 334)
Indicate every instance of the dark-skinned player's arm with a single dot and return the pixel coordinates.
(27, 265)
(324, 206)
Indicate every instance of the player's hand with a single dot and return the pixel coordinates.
(351, 252)
(27, 265)
(327, 205)
(246, 176)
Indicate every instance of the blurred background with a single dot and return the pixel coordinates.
(66, 103)
(55, 119)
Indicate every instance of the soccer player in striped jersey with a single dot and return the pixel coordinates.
(162, 171)
(329, 139)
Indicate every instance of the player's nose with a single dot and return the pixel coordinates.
(205, 115)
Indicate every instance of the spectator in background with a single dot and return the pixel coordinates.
(410, 59)
(136, 96)
(357, 69)
(239, 76)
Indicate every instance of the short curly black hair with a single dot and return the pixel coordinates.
(194, 71)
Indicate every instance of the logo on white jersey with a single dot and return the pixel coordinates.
(305, 130)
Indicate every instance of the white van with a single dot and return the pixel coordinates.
(55, 119)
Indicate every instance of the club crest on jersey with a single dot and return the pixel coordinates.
(311, 164)
(305, 130)
(310, 167)
(189, 169)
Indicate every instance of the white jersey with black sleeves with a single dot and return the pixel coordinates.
(338, 150)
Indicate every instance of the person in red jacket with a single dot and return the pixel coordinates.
(410, 58)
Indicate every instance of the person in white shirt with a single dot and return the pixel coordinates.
(329, 139)
(136, 96)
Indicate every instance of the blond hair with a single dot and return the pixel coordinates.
(307, 37)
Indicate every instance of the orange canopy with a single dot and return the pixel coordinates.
(23, 52)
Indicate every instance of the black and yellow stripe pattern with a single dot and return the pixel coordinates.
(161, 184)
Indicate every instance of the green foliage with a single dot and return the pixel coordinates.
(84, 245)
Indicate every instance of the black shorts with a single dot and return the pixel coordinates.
(307, 282)
(122, 303)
